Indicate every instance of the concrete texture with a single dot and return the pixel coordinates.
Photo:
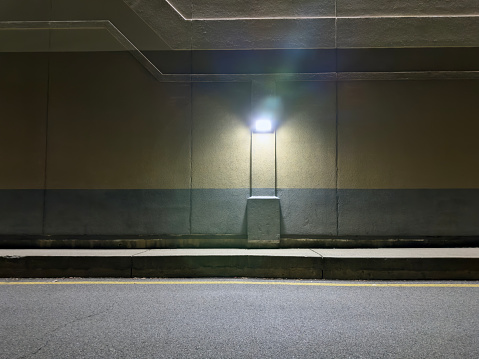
(184, 7)
(83, 40)
(164, 21)
(263, 164)
(408, 212)
(400, 263)
(219, 211)
(264, 220)
(214, 9)
(21, 40)
(78, 10)
(407, 134)
(61, 263)
(353, 156)
(170, 61)
(221, 136)
(116, 11)
(306, 135)
(25, 10)
(156, 25)
(23, 104)
(224, 266)
(405, 8)
(120, 212)
(133, 26)
(21, 211)
(308, 211)
(399, 253)
(263, 61)
(392, 263)
(222, 252)
(219, 241)
(244, 30)
(408, 59)
(113, 126)
(265, 105)
(263, 34)
(407, 32)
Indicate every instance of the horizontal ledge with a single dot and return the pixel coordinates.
(263, 197)
(252, 18)
(226, 241)
(413, 75)
(328, 76)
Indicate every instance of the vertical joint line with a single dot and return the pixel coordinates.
(336, 24)
(47, 115)
(275, 147)
(131, 266)
(191, 121)
(337, 155)
(191, 156)
(251, 164)
(251, 142)
(337, 110)
(275, 167)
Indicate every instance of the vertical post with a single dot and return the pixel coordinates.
(263, 209)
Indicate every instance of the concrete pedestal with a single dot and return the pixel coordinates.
(263, 213)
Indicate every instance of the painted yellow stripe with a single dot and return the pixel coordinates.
(408, 285)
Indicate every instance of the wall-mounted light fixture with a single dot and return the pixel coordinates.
(263, 125)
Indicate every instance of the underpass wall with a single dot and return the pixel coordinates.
(92, 144)
(407, 160)
(377, 136)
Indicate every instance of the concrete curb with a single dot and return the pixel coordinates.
(227, 241)
(382, 264)
(59, 266)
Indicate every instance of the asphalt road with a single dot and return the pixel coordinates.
(220, 318)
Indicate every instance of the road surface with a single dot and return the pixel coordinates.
(237, 318)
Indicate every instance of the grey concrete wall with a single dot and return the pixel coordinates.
(213, 24)
(407, 163)
(408, 212)
(92, 144)
(306, 158)
(406, 8)
(104, 148)
(118, 148)
(221, 146)
(23, 118)
(214, 9)
(117, 211)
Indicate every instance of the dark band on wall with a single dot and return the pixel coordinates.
(315, 60)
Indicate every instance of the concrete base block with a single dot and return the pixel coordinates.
(263, 221)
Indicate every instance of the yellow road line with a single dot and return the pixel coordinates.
(327, 284)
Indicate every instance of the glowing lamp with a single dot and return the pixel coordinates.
(263, 125)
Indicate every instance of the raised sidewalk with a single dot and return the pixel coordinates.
(317, 263)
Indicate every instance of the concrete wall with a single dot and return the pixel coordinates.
(376, 137)
(407, 160)
(118, 148)
(220, 157)
(98, 146)
(93, 144)
(24, 106)
(306, 158)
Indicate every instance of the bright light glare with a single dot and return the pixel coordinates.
(263, 125)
